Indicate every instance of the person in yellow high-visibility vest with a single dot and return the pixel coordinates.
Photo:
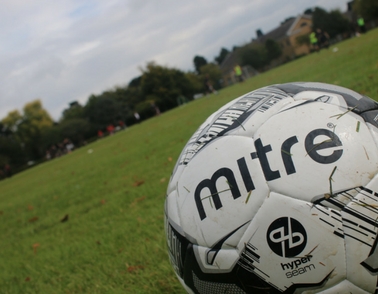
(361, 24)
(314, 41)
(238, 73)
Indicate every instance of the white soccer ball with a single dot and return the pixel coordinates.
(277, 192)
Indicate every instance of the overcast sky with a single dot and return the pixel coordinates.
(65, 50)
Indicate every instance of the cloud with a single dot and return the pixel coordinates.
(61, 51)
(85, 47)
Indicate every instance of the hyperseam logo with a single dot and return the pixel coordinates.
(286, 237)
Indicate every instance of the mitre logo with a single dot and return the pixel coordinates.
(286, 237)
(315, 150)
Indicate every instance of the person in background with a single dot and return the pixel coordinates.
(137, 116)
(323, 39)
(110, 129)
(238, 73)
(361, 25)
(209, 86)
(314, 41)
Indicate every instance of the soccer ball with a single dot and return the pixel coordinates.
(277, 192)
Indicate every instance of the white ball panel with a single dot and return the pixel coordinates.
(296, 243)
(341, 288)
(172, 210)
(224, 167)
(302, 147)
(330, 98)
(221, 261)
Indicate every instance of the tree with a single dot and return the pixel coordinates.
(35, 121)
(35, 118)
(253, 55)
(10, 149)
(309, 11)
(162, 85)
(195, 82)
(213, 72)
(259, 55)
(76, 129)
(11, 121)
(333, 23)
(222, 55)
(76, 110)
(104, 109)
(126, 98)
(368, 9)
(132, 96)
(273, 50)
(11, 152)
(199, 61)
(28, 127)
(135, 82)
(235, 48)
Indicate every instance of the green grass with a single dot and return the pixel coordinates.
(113, 241)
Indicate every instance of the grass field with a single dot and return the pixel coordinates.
(92, 221)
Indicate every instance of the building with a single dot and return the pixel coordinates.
(286, 35)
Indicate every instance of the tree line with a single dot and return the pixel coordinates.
(31, 134)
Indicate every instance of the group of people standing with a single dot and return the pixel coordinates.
(59, 149)
(209, 89)
(319, 40)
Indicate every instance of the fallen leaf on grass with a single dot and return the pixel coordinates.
(35, 247)
(103, 201)
(98, 242)
(33, 219)
(137, 200)
(27, 279)
(64, 219)
(169, 158)
(163, 180)
(1, 212)
(138, 183)
(30, 207)
(140, 199)
(134, 268)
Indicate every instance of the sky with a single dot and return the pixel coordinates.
(65, 50)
